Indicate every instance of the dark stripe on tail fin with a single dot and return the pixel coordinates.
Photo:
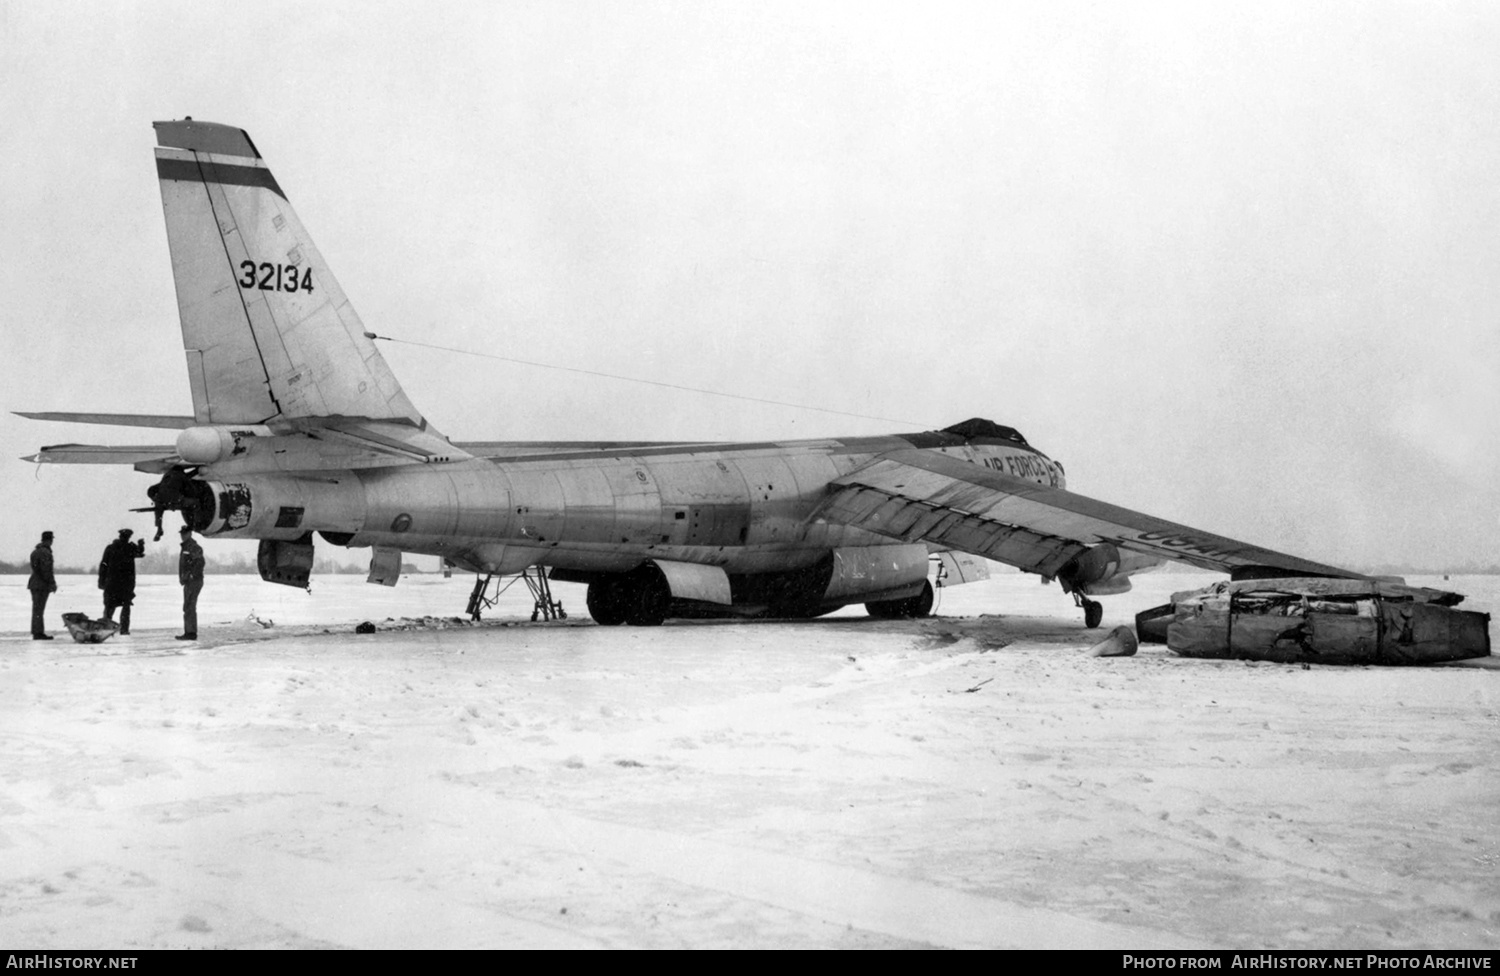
(184, 171)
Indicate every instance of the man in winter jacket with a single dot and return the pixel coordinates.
(117, 576)
(190, 575)
(42, 584)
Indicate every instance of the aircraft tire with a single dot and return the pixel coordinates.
(804, 613)
(797, 609)
(1093, 612)
(921, 604)
(907, 609)
(647, 598)
(605, 603)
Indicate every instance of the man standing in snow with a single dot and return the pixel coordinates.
(190, 575)
(42, 584)
(117, 576)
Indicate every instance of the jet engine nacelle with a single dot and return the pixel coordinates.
(1103, 570)
(209, 445)
(1094, 565)
(1114, 586)
(876, 572)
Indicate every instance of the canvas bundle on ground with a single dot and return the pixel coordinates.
(86, 631)
(1329, 621)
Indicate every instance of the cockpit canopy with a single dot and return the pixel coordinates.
(978, 428)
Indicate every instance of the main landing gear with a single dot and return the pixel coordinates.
(640, 598)
(909, 608)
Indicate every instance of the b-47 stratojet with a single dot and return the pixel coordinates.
(300, 430)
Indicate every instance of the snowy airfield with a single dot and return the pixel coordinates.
(972, 780)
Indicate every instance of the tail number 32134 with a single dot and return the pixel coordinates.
(275, 277)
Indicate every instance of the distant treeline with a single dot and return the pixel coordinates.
(164, 561)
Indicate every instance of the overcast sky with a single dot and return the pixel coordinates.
(1234, 265)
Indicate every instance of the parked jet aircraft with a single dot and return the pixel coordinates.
(299, 429)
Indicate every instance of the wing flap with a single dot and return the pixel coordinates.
(886, 512)
(922, 495)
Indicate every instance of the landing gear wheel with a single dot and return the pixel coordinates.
(913, 606)
(1093, 612)
(799, 610)
(921, 604)
(605, 602)
(647, 597)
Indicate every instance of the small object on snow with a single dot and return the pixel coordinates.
(86, 631)
(365, 628)
(1121, 642)
(253, 619)
(970, 691)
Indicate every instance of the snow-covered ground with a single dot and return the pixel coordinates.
(971, 780)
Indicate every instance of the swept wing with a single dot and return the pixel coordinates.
(917, 495)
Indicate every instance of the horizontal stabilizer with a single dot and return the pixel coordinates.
(205, 137)
(167, 421)
(148, 458)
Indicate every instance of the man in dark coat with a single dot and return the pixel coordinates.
(190, 575)
(42, 584)
(117, 576)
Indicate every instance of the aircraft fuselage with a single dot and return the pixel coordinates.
(747, 508)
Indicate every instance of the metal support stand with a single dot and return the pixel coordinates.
(543, 606)
(478, 602)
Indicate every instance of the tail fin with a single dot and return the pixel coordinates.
(268, 332)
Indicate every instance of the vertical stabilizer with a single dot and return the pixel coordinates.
(267, 330)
